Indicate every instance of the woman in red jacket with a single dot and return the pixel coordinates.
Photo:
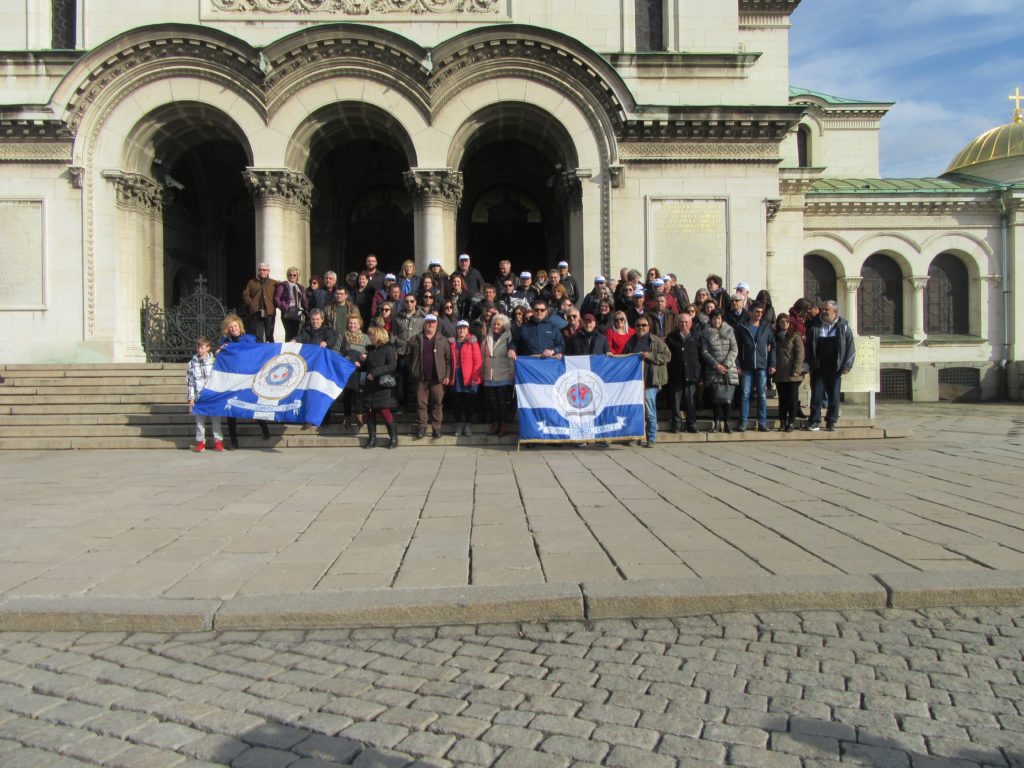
(619, 334)
(466, 364)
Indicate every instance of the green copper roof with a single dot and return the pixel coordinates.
(828, 99)
(898, 186)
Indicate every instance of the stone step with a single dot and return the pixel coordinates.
(84, 382)
(162, 391)
(84, 369)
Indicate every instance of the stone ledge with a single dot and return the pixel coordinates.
(106, 614)
(403, 607)
(688, 597)
(932, 589)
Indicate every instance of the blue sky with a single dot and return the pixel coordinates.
(948, 64)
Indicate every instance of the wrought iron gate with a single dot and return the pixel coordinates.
(170, 336)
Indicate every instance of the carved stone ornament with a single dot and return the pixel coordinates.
(136, 191)
(441, 185)
(772, 207)
(918, 282)
(357, 7)
(76, 175)
(569, 189)
(279, 185)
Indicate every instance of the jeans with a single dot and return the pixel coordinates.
(651, 412)
(683, 394)
(758, 378)
(825, 386)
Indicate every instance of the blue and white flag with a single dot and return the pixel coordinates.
(580, 398)
(274, 382)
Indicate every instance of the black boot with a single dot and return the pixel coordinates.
(233, 432)
(392, 433)
(371, 431)
(265, 430)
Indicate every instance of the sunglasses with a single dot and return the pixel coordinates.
(642, 325)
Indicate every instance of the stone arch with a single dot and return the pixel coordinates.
(947, 295)
(821, 276)
(977, 254)
(835, 248)
(893, 244)
(881, 296)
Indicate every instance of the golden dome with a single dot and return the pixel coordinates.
(1002, 143)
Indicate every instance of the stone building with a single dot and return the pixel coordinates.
(145, 144)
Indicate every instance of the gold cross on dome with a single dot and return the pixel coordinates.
(1016, 97)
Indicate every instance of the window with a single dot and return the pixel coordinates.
(880, 297)
(819, 279)
(62, 24)
(650, 25)
(945, 297)
(803, 146)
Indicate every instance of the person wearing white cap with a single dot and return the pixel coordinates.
(636, 310)
(569, 281)
(429, 359)
(525, 294)
(745, 290)
(593, 299)
(474, 280)
(439, 277)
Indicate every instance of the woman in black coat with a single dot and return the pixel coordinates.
(380, 361)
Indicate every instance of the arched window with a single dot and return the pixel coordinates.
(803, 146)
(819, 279)
(62, 24)
(945, 297)
(880, 297)
(650, 25)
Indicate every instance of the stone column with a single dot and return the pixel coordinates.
(771, 210)
(436, 194)
(282, 199)
(848, 309)
(140, 205)
(917, 282)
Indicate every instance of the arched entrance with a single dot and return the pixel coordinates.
(519, 189)
(196, 156)
(357, 154)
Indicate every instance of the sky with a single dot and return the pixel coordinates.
(948, 64)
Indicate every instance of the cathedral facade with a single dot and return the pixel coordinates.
(147, 144)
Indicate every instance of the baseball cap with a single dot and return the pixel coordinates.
(431, 318)
(390, 276)
(563, 264)
(600, 279)
(434, 263)
(464, 257)
(525, 276)
(462, 324)
(657, 281)
(589, 317)
(638, 292)
(742, 287)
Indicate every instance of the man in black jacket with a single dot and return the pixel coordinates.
(831, 352)
(684, 371)
(587, 340)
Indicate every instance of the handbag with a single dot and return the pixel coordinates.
(722, 393)
(387, 381)
(293, 313)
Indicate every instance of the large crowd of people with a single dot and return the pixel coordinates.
(436, 340)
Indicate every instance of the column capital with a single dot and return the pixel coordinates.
(136, 191)
(434, 185)
(918, 282)
(279, 185)
(772, 206)
(569, 187)
(851, 284)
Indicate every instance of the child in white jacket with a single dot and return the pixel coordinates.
(198, 373)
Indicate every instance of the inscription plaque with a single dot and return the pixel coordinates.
(21, 254)
(865, 375)
(689, 237)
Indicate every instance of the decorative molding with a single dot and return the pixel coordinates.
(136, 191)
(698, 152)
(434, 185)
(14, 151)
(815, 206)
(768, 6)
(772, 206)
(729, 125)
(763, 21)
(851, 284)
(279, 185)
(357, 7)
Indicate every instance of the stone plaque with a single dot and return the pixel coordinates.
(689, 237)
(21, 254)
(865, 375)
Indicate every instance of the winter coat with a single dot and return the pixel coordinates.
(847, 346)
(617, 341)
(757, 347)
(284, 294)
(663, 328)
(494, 354)
(655, 369)
(535, 337)
(467, 361)
(789, 357)
(584, 343)
(687, 361)
(309, 336)
(404, 326)
(442, 358)
(251, 295)
(720, 348)
(379, 361)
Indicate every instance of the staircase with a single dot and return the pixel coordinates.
(125, 405)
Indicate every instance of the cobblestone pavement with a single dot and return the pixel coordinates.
(928, 689)
(172, 524)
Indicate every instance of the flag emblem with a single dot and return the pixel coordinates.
(279, 376)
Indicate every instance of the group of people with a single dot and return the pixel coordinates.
(436, 339)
